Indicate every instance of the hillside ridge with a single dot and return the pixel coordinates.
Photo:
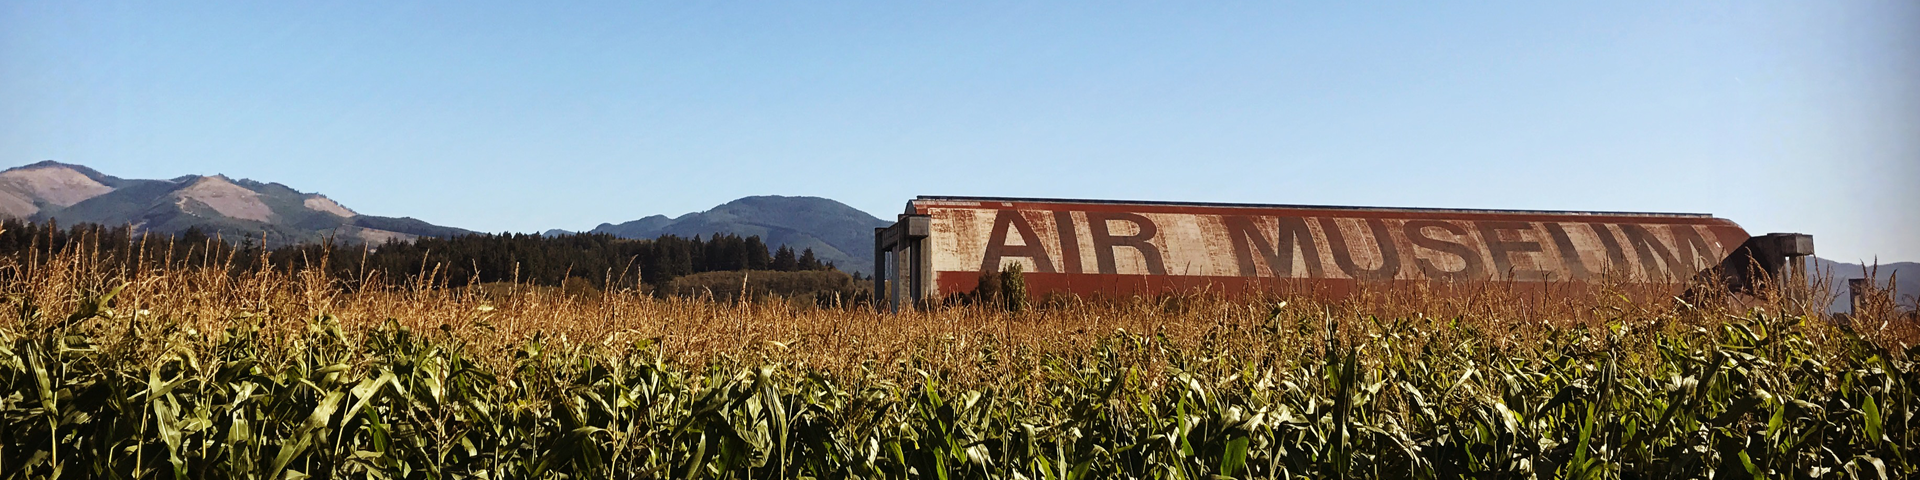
(836, 232)
(51, 191)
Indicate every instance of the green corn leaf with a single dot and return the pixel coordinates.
(1871, 411)
(1747, 462)
(303, 438)
(1235, 457)
(1586, 434)
(1777, 422)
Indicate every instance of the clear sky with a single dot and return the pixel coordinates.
(524, 116)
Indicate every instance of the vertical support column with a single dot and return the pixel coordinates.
(917, 237)
(880, 269)
(915, 272)
(1857, 290)
(902, 291)
(929, 291)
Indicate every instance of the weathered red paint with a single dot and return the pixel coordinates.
(1095, 247)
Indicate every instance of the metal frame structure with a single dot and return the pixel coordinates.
(907, 238)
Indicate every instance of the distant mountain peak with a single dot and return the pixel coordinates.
(41, 164)
(644, 224)
(50, 164)
(54, 183)
(224, 198)
(836, 232)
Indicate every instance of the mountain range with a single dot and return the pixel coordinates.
(71, 194)
(274, 213)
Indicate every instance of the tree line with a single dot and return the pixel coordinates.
(603, 259)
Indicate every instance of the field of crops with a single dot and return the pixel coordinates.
(125, 369)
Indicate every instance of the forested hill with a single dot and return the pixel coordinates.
(836, 232)
(600, 259)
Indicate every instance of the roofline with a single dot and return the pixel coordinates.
(1317, 207)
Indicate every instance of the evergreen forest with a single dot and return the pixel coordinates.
(601, 259)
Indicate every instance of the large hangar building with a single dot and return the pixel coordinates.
(941, 246)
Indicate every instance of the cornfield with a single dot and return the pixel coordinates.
(116, 368)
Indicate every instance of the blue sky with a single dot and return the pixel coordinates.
(516, 117)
